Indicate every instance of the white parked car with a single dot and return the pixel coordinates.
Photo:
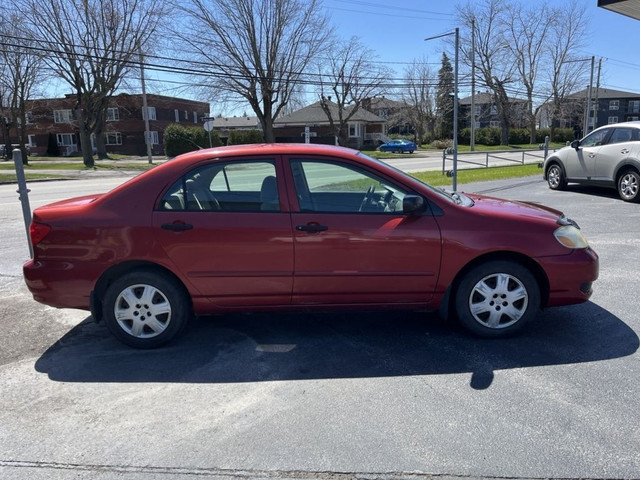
(609, 156)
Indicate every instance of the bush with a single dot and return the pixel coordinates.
(519, 136)
(488, 136)
(240, 137)
(442, 144)
(178, 139)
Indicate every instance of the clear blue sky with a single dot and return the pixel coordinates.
(396, 31)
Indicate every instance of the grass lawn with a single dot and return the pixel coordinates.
(99, 165)
(436, 178)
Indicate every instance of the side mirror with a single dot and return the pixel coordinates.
(575, 144)
(413, 204)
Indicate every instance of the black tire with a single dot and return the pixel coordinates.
(555, 177)
(156, 319)
(629, 186)
(497, 298)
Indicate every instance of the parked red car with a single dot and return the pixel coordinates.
(278, 227)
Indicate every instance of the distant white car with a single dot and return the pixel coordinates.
(609, 156)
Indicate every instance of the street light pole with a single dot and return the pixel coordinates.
(456, 32)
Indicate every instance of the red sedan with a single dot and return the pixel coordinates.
(275, 227)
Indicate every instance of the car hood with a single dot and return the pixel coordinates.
(514, 209)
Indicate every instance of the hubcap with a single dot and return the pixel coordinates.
(629, 186)
(554, 176)
(142, 311)
(498, 300)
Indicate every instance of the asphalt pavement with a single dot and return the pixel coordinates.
(329, 395)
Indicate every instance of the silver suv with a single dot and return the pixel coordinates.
(609, 156)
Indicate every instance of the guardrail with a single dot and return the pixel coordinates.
(496, 157)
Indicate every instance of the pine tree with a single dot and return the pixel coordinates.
(444, 99)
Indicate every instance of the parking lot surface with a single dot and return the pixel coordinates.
(329, 395)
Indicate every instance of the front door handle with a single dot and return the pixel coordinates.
(312, 228)
(624, 151)
(177, 227)
(592, 155)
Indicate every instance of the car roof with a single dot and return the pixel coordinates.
(633, 124)
(265, 149)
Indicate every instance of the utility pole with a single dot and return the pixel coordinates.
(588, 109)
(147, 133)
(595, 103)
(472, 144)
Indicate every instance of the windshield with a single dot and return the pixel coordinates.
(453, 197)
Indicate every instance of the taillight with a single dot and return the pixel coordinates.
(38, 231)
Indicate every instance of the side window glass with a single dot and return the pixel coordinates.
(595, 139)
(620, 135)
(232, 187)
(325, 186)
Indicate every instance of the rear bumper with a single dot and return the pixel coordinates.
(58, 284)
(571, 276)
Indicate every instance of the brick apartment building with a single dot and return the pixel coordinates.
(125, 123)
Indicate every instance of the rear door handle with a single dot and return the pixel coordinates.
(177, 227)
(592, 155)
(311, 228)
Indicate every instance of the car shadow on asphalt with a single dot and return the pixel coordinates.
(302, 346)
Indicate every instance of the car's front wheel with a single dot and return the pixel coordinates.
(629, 186)
(497, 298)
(145, 309)
(555, 177)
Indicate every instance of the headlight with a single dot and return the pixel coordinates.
(571, 237)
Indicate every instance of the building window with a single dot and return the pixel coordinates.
(478, 110)
(113, 138)
(186, 115)
(154, 138)
(614, 104)
(354, 130)
(477, 124)
(29, 117)
(152, 113)
(176, 114)
(611, 120)
(494, 110)
(32, 140)
(66, 139)
(113, 115)
(62, 116)
(195, 117)
(634, 106)
(494, 123)
(635, 118)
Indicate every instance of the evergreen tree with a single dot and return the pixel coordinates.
(444, 99)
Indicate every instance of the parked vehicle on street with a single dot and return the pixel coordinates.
(399, 145)
(284, 227)
(609, 157)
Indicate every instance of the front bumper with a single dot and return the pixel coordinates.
(571, 276)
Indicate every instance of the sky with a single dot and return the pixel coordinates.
(396, 34)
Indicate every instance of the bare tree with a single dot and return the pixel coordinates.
(20, 72)
(567, 35)
(493, 61)
(92, 44)
(528, 33)
(348, 77)
(257, 50)
(418, 96)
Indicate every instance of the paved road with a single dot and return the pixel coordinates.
(344, 396)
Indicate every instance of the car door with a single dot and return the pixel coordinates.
(622, 143)
(580, 162)
(353, 244)
(226, 228)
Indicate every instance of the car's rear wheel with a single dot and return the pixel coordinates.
(629, 186)
(555, 177)
(497, 298)
(145, 309)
